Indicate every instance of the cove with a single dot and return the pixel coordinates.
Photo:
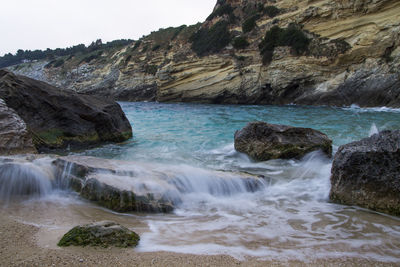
(290, 217)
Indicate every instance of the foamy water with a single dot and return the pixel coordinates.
(185, 152)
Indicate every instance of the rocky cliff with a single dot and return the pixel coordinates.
(317, 52)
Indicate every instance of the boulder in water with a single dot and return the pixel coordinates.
(14, 136)
(102, 234)
(60, 118)
(367, 173)
(104, 182)
(264, 141)
(131, 186)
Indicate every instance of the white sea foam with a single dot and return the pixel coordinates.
(290, 219)
(373, 130)
(357, 108)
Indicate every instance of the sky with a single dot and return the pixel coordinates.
(41, 24)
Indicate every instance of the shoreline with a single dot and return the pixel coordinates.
(31, 244)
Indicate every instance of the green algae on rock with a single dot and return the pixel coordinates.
(102, 234)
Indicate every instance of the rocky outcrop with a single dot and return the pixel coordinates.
(263, 141)
(110, 185)
(14, 136)
(131, 186)
(62, 118)
(122, 186)
(102, 234)
(366, 173)
(354, 48)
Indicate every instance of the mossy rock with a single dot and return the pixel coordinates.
(103, 234)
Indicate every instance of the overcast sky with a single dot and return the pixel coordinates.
(41, 24)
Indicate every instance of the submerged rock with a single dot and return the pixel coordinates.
(367, 173)
(130, 186)
(62, 118)
(14, 136)
(264, 141)
(106, 183)
(122, 186)
(102, 234)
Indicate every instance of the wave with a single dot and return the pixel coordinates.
(358, 109)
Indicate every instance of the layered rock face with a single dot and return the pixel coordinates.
(263, 141)
(14, 136)
(366, 173)
(59, 118)
(353, 57)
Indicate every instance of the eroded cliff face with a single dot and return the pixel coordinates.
(353, 58)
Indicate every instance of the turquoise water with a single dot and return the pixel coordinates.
(194, 133)
(185, 153)
(290, 217)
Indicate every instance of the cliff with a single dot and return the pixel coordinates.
(316, 52)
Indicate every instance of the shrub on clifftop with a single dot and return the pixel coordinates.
(240, 42)
(224, 9)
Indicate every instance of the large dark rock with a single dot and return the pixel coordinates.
(264, 141)
(102, 234)
(367, 173)
(60, 118)
(14, 136)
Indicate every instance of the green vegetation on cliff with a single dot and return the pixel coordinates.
(240, 42)
(50, 54)
(292, 36)
(207, 41)
(249, 24)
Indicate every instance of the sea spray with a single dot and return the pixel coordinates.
(289, 219)
(373, 130)
(24, 179)
(173, 182)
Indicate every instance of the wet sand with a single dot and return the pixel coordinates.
(29, 234)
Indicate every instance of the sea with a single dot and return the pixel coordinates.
(287, 217)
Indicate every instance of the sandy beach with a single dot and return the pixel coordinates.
(29, 233)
